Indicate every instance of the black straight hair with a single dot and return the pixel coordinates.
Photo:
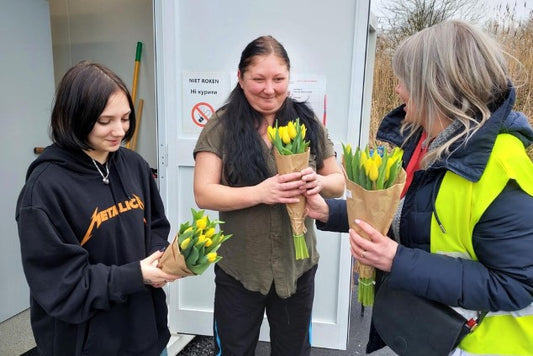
(244, 163)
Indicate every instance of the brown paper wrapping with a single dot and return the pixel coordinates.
(288, 164)
(173, 262)
(376, 207)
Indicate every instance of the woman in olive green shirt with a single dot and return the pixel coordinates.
(235, 174)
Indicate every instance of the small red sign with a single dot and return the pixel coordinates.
(201, 113)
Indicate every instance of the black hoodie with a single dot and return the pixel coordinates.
(81, 242)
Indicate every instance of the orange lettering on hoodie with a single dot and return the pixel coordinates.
(113, 211)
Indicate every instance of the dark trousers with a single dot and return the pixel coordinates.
(239, 314)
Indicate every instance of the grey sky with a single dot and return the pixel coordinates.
(494, 8)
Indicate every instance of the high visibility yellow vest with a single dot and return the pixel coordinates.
(459, 205)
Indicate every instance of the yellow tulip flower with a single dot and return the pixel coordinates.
(211, 256)
(271, 132)
(364, 158)
(210, 232)
(284, 133)
(202, 222)
(373, 171)
(367, 165)
(377, 158)
(291, 130)
(348, 148)
(185, 243)
(201, 239)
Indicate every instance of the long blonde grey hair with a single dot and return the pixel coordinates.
(451, 70)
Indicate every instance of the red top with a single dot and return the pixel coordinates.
(414, 163)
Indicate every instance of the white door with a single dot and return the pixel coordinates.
(198, 47)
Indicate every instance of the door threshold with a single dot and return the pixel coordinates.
(177, 343)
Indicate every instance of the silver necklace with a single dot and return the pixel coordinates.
(105, 178)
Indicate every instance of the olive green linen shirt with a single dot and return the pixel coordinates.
(261, 250)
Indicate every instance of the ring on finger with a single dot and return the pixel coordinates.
(363, 254)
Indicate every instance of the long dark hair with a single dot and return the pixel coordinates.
(81, 98)
(244, 163)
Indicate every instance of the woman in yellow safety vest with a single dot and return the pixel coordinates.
(463, 231)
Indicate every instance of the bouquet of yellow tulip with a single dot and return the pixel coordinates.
(289, 139)
(374, 182)
(372, 169)
(292, 155)
(194, 247)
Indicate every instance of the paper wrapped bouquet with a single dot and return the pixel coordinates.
(194, 247)
(374, 182)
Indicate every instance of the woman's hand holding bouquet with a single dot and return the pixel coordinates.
(194, 247)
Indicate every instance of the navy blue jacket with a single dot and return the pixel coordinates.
(502, 279)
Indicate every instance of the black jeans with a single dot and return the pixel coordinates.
(239, 314)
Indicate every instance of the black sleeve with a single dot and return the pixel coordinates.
(338, 217)
(159, 226)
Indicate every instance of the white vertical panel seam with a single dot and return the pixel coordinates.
(359, 55)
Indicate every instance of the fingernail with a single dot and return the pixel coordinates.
(357, 221)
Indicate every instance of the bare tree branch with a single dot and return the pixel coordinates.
(404, 18)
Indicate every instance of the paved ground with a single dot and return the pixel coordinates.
(358, 334)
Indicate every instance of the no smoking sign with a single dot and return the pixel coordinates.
(201, 113)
